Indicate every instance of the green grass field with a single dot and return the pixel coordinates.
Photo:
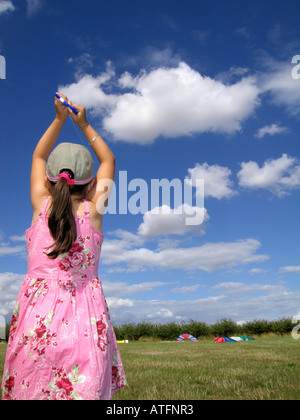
(266, 369)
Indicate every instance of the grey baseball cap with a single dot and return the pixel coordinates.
(74, 157)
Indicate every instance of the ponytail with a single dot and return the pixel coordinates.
(61, 221)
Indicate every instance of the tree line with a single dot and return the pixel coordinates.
(224, 327)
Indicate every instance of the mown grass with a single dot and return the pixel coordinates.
(266, 369)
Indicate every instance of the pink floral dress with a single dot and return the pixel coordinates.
(62, 345)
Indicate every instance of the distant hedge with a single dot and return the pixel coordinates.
(224, 327)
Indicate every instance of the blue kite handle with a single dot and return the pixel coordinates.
(66, 103)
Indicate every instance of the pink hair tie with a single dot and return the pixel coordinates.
(67, 177)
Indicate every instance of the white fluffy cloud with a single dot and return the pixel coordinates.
(6, 6)
(168, 102)
(10, 285)
(88, 91)
(278, 175)
(175, 100)
(208, 257)
(166, 221)
(282, 87)
(163, 314)
(129, 251)
(33, 6)
(217, 182)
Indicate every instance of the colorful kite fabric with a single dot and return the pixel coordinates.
(247, 338)
(224, 340)
(187, 337)
(242, 338)
(232, 339)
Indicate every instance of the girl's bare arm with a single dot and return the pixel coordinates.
(41, 153)
(106, 172)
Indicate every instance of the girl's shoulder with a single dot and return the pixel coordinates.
(94, 215)
(40, 207)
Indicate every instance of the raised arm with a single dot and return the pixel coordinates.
(106, 172)
(41, 153)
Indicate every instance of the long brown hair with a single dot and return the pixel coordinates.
(61, 220)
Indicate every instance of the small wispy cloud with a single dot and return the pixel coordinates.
(290, 269)
(256, 271)
(34, 6)
(270, 130)
(186, 289)
(11, 250)
(18, 238)
(81, 64)
(7, 248)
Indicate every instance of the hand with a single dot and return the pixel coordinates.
(61, 110)
(80, 118)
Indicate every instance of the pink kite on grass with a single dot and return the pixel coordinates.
(187, 337)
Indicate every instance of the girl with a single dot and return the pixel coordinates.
(62, 345)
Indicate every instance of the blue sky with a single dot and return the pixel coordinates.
(179, 89)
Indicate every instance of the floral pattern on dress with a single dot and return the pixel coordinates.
(40, 337)
(63, 385)
(69, 287)
(8, 386)
(36, 288)
(14, 321)
(118, 381)
(78, 258)
(101, 333)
